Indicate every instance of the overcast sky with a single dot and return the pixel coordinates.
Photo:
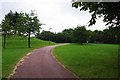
(56, 14)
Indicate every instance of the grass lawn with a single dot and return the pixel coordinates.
(89, 60)
(0, 56)
(16, 48)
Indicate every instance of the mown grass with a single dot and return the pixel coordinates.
(16, 48)
(0, 56)
(90, 60)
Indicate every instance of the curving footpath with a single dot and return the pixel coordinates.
(41, 64)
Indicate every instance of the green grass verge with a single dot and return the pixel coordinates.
(16, 48)
(90, 60)
(0, 56)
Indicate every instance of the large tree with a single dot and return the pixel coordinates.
(111, 35)
(81, 35)
(109, 10)
(97, 37)
(46, 35)
(13, 20)
(32, 25)
(5, 28)
(21, 23)
(68, 35)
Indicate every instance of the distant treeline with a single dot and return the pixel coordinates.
(81, 35)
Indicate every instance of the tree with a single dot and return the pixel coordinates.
(45, 35)
(5, 28)
(111, 35)
(68, 35)
(109, 10)
(97, 36)
(81, 34)
(60, 38)
(13, 20)
(21, 23)
(32, 25)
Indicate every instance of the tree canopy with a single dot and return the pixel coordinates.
(81, 35)
(109, 10)
(21, 24)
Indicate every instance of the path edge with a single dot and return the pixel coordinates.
(52, 54)
(20, 62)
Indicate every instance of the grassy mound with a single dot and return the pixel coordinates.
(90, 60)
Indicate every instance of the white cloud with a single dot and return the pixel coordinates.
(56, 14)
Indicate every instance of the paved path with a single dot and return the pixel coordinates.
(41, 64)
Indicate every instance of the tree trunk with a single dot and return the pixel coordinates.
(29, 39)
(4, 39)
(81, 43)
(49, 39)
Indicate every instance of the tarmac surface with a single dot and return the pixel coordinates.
(41, 64)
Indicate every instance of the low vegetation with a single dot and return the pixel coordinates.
(89, 60)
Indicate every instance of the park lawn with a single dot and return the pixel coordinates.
(16, 48)
(0, 56)
(89, 60)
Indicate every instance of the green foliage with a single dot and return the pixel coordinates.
(21, 28)
(21, 24)
(6, 25)
(45, 35)
(111, 35)
(17, 48)
(89, 60)
(80, 34)
(5, 28)
(97, 36)
(109, 10)
(65, 36)
(68, 35)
